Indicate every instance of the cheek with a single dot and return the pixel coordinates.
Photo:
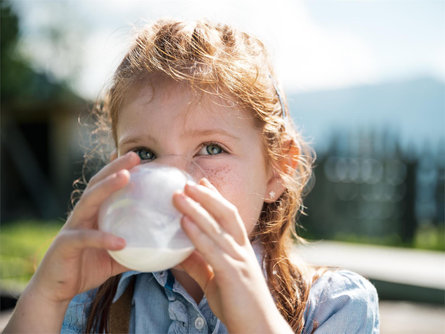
(224, 178)
(217, 172)
(238, 189)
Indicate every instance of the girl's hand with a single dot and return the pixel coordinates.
(77, 259)
(224, 264)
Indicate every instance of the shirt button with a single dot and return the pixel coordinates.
(199, 323)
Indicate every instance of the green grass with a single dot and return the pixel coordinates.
(427, 237)
(430, 237)
(22, 246)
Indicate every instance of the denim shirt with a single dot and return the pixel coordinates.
(339, 302)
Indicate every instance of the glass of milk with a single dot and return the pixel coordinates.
(143, 214)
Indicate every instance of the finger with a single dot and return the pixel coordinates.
(127, 161)
(189, 207)
(88, 205)
(73, 241)
(205, 182)
(224, 212)
(207, 248)
(204, 220)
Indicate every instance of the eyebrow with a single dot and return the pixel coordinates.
(137, 139)
(207, 132)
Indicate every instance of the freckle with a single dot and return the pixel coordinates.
(218, 176)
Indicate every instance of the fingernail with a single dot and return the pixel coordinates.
(122, 172)
(119, 242)
(191, 185)
(131, 155)
(207, 183)
(180, 195)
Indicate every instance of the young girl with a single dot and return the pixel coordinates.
(207, 93)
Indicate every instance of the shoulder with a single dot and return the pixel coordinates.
(77, 312)
(342, 302)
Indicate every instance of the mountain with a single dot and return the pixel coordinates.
(413, 110)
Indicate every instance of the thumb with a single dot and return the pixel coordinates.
(198, 269)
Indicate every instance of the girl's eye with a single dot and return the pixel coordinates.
(211, 149)
(144, 154)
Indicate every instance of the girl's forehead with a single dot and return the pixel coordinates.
(170, 108)
(181, 100)
(165, 90)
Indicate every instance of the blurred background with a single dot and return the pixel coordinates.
(365, 82)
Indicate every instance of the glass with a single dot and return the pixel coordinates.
(143, 214)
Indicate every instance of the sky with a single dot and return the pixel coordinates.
(315, 45)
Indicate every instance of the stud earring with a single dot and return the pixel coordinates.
(272, 194)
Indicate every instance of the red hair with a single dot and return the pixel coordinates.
(218, 59)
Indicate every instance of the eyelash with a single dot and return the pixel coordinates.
(223, 150)
(153, 155)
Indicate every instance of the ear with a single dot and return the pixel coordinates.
(287, 165)
(274, 188)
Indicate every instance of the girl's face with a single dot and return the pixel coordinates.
(170, 121)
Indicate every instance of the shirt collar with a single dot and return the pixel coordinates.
(160, 276)
(123, 283)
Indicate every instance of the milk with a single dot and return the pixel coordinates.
(148, 259)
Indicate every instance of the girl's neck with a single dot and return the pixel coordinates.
(189, 284)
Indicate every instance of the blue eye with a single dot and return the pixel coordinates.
(211, 149)
(144, 154)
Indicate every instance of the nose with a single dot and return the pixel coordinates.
(174, 160)
(183, 163)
